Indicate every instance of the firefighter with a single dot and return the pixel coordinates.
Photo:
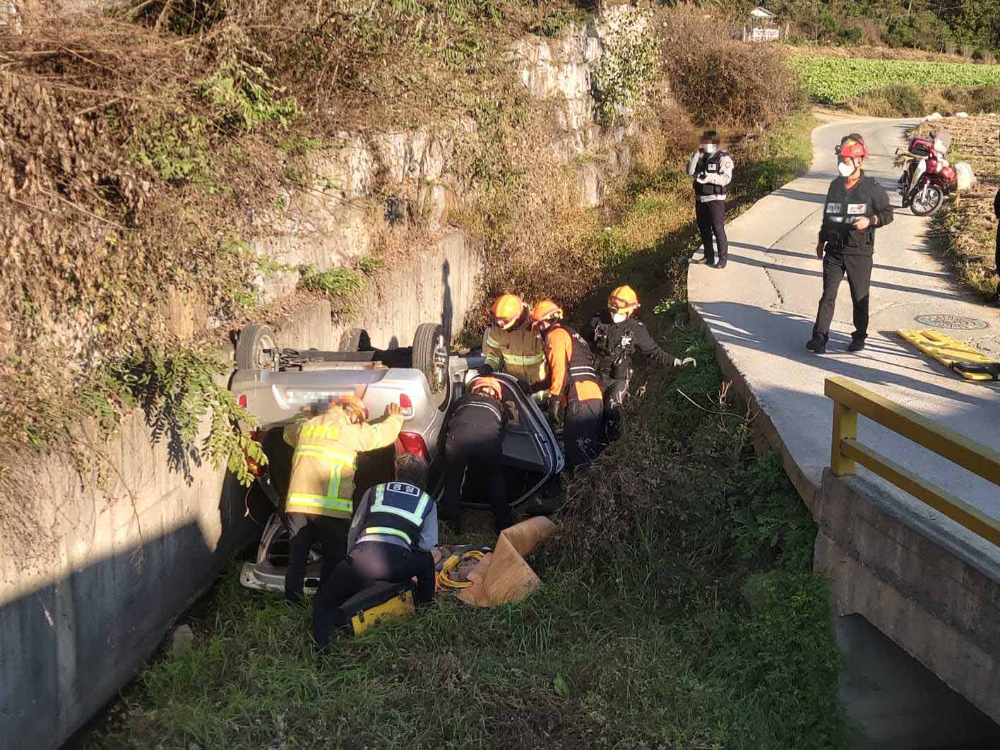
(574, 391)
(391, 538)
(475, 436)
(321, 488)
(511, 346)
(856, 205)
(615, 334)
(712, 169)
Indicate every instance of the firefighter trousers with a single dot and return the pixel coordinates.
(581, 432)
(482, 456)
(303, 531)
(368, 563)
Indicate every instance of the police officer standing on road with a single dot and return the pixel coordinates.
(996, 212)
(614, 335)
(855, 206)
(712, 169)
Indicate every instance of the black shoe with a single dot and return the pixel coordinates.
(719, 264)
(817, 345)
(856, 345)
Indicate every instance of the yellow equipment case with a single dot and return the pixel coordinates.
(376, 603)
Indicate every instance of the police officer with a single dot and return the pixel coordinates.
(573, 387)
(855, 206)
(996, 212)
(712, 169)
(614, 335)
(391, 538)
(475, 439)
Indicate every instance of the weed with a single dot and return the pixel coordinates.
(336, 282)
(176, 149)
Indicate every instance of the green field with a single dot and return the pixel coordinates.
(832, 80)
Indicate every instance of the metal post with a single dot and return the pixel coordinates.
(845, 425)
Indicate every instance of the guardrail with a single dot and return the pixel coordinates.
(851, 399)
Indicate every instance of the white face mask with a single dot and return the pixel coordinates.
(846, 169)
(709, 148)
(618, 317)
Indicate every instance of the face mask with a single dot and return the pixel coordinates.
(618, 317)
(846, 169)
(709, 148)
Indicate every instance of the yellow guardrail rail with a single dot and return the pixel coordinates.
(851, 399)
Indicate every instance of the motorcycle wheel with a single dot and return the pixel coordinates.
(927, 200)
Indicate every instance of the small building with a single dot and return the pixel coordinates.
(762, 26)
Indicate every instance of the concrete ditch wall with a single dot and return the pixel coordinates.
(114, 559)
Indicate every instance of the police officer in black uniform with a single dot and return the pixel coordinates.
(996, 212)
(855, 206)
(475, 438)
(615, 334)
(712, 169)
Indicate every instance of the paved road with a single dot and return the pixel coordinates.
(761, 309)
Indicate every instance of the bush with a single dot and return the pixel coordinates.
(896, 100)
(735, 85)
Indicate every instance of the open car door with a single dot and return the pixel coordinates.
(531, 453)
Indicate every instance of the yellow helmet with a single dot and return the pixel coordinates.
(507, 310)
(623, 299)
(354, 406)
(490, 385)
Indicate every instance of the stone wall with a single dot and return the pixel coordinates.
(118, 557)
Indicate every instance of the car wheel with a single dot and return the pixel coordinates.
(255, 348)
(355, 340)
(430, 356)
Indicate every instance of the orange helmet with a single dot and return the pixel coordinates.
(488, 384)
(506, 311)
(546, 310)
(623, 299)
(354, 406)
(852, 147)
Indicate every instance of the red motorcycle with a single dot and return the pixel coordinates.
(937, 180)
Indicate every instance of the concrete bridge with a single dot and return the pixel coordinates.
(897, 566)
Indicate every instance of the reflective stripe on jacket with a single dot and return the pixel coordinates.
(397, 510)
(325, 460)
(518, 352)
(571, 365)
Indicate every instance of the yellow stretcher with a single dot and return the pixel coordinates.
(954, 354)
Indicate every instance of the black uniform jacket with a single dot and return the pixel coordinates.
(843, 206)
(614, 343)
(479, 417)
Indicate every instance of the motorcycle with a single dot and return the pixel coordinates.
(934, 186)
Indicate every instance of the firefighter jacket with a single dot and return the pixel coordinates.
(325, 459)
(614, 344)
(712, 173)
(571, 366)
(478, 418)
(396, 513)
(865, 198)
(518, 352)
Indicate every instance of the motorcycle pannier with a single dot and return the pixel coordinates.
(920, 146)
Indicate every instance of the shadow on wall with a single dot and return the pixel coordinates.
(68, 646)
(447, 307)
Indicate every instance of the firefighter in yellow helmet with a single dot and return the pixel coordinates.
(321, 490)
(615, 334)
(510, 344)
(573, 387)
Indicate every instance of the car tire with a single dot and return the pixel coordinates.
(430, 356)
(355, 340)
(252, 345)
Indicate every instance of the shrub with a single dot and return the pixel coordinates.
(896, 100)
(732, 84)
(629, 63)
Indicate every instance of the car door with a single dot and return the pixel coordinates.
(529, 444)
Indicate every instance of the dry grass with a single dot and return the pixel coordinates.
(967, 225)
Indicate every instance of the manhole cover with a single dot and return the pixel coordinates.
(956, 322)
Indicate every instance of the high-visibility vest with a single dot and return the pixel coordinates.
(518, 352)
(325, 460)
(398, 509)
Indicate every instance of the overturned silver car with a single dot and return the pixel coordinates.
(425, 380)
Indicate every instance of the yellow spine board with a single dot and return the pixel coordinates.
(400, 605)
(947, 350)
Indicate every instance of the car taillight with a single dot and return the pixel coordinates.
(412, 443)
(406, 405)
(242, 401)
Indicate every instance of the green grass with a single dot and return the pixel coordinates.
(832, 80)
(678, 608)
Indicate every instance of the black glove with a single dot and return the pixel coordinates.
(486, 370)
(525, 388)
(555, 410)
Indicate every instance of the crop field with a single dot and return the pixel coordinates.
(832, 80)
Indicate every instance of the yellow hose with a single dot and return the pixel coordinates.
(445, 581)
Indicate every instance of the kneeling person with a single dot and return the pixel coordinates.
(391, 538)
(475, 439)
